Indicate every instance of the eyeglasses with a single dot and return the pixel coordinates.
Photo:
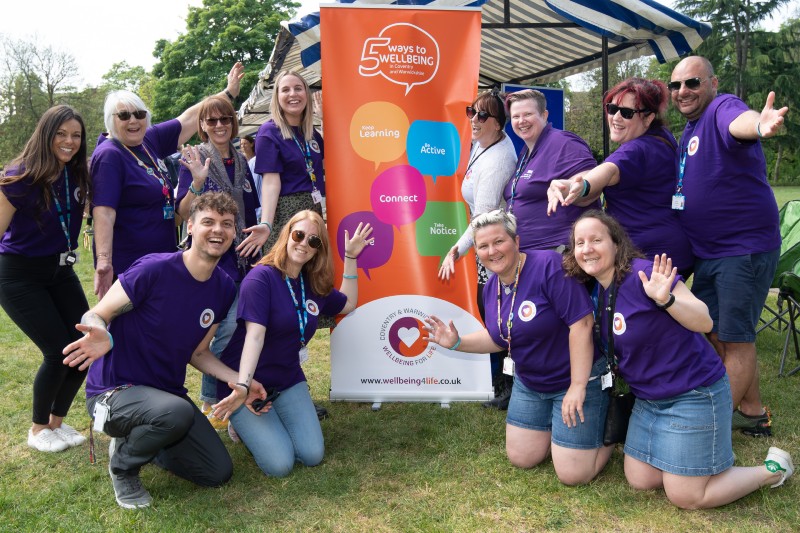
(626, 112)
(691, 84)
(299, 236)
(139, 114)
(483, 116)
(225, 121)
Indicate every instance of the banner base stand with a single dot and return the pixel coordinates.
(445, 405)
(376, 406)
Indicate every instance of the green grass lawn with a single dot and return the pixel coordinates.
(407, 467)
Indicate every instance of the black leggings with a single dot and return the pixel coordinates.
(45, 301)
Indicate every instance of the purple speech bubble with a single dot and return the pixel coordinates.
(398, 195)
(374, 255)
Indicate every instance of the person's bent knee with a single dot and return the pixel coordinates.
(525, 460)
(573, 479)
(642, 484)
(684, 501)
(218, 475)
(177, 416)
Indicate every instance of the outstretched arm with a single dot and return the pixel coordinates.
(751, 125)
(446, 336)
(96, 340)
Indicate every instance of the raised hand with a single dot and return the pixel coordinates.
(355, 245)
(443, 335)
(660, 283)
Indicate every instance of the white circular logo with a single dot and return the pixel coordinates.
(694, 144)
(206, 318)
(246, 187)
(312, 307)
(526, 311)
(619, 325)
(77, 194)
(313, 144)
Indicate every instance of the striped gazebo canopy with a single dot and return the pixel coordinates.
(522, 41)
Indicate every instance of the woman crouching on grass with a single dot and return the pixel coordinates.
(280, 301)
(544, 319)
(679, 437)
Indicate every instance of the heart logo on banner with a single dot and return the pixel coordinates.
(408, 335)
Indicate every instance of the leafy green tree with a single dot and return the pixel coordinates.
(123, 76)
(729, 46)
(218, 34)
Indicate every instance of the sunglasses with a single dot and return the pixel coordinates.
(225, 121)
(691, 84)
(626, 112)
(483, 116)
(314, 241)
(139, 114)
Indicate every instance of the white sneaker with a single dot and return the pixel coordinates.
(70, 435)
(46, 441)
(779, 461)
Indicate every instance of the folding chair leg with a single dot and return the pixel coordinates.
(791, 331)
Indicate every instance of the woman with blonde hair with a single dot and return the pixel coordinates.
(289, 154)
(280, 302)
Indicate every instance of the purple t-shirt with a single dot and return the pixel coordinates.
(265, 299)
(171, 314)
(228, 262)
(546, 305)
(138, 199)
(730, 209)
(657, 356)
(557, 154)
(35, 233)
(642, 200)
(287, 157)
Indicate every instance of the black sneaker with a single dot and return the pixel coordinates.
(129, 491)
(753, 426)
(322, 413)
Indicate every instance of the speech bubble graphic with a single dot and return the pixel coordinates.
(439, 228)
(375, 254)
(378, 132)
(402, 53)
(398, 195)
(434, 148)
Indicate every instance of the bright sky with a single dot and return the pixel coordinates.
(99, 33)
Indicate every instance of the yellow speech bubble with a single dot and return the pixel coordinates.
(378, 132)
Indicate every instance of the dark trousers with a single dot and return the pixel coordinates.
(45, 301)
(169, 430)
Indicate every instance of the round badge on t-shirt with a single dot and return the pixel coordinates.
(312, 307)
(207, 318)
(619, 324)
(527, 310)
(694, 144)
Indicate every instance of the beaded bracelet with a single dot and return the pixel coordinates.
(196, 192)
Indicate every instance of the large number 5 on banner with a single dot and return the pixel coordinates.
(371, 55)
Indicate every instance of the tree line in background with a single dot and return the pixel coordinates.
(35, 76)
(749, 62)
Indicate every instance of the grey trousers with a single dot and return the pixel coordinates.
(168, 430)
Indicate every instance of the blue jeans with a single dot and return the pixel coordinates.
(208, 385)
(289, 432)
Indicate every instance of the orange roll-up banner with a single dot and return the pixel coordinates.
(396, 82)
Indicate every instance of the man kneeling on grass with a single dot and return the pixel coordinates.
(165, 310)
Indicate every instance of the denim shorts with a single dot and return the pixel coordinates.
(688, 434)
(541, 411)
(735, 289)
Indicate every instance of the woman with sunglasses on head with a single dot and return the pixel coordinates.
(133, 204)
(289, 154)
(639, 178)
(679, 434)
(491, 164)
(216, 165)
(280, 302)
(549, 154)
(42, 197)
(544, 319)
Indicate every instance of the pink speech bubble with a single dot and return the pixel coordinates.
(374, 255)
(398, 195)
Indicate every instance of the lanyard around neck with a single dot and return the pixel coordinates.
(151, 171)
(510, 320)
(302, 311)
(307, 155)
(64, 224)
(521, 166)
(606, 312)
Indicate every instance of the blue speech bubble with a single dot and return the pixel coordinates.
(433, 148)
